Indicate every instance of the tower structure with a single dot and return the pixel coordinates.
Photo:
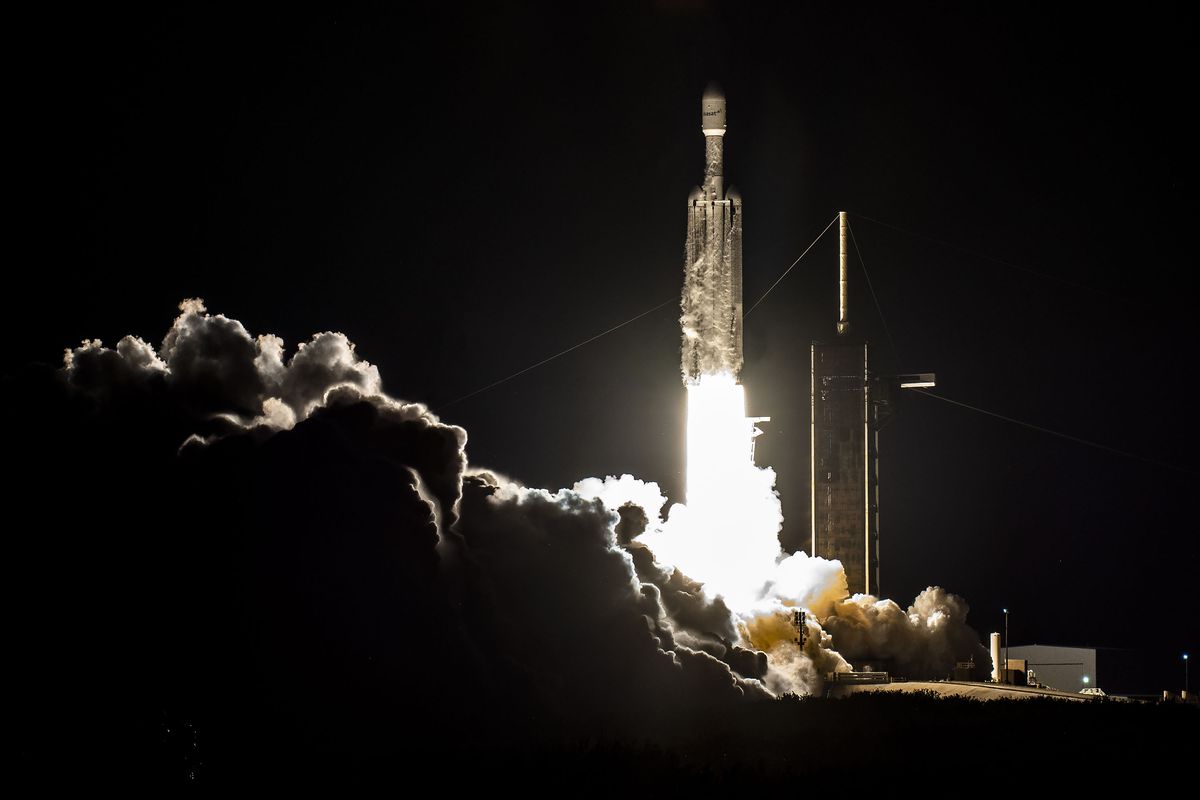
(843, 449)
(850, 406)
(712, 295)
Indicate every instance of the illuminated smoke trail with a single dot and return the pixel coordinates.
(727, 534)
(704, 595)
(726, 537)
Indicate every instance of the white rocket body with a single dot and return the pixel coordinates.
(712, 289)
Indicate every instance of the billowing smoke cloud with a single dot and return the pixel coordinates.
(215, 379)
(924, 642)
(225, 381)
(570, 610)
(741, 551)
(213, 366)
(286, 530)
(794, 667)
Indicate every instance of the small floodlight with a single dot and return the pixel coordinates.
(920, 380)
(1086, 679)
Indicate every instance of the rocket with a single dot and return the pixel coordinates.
(712, 288)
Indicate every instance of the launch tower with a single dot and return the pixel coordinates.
(844, 492)
(849, 407)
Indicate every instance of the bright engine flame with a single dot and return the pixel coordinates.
(719, 437)
(727, 536)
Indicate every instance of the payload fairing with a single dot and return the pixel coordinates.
(712, 289)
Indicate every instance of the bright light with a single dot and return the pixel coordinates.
(727, 535)
(1086, 679)
(920, 380)
(719, 437)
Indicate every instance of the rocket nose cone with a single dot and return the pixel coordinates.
(713, 92)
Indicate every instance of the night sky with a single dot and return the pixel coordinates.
(466, 193)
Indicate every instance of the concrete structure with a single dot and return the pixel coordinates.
(1068, 669)
(842, 461)
(712, 296)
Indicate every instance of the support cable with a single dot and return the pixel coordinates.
(875, 297)
(559, 354)
(789, 269)
(1060, 435)
(591, 339)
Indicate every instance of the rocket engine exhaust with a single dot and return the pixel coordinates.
(725, 538)
(719, 436)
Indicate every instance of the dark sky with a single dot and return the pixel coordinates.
(466, 193)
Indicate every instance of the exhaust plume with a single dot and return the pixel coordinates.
(361, 527)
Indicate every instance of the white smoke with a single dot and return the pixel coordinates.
(716, 591)
(732, 548)
(218, 370)
(926, 640)
(727, 538)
